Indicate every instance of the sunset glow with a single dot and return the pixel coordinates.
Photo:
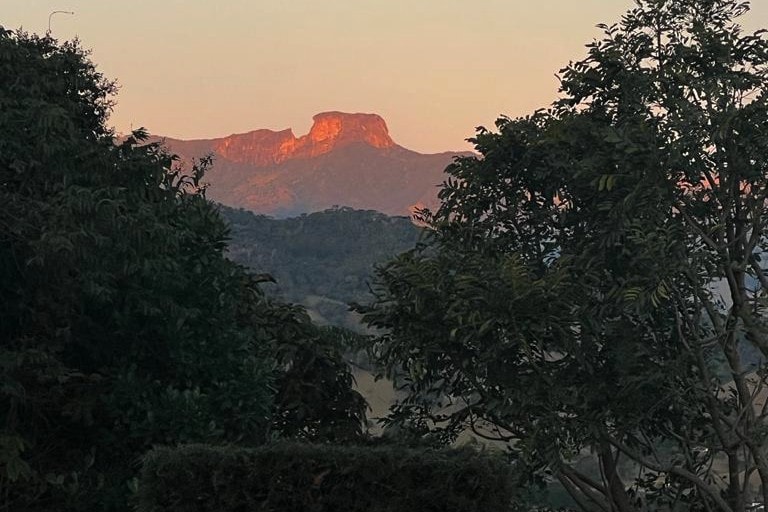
(433, 69)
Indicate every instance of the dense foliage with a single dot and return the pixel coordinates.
(316, 399)
(594, 281)
(324, 260)
(122, 323)
(300, 478)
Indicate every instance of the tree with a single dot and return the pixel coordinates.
(122, 323)
(593, 280)
(316, 399)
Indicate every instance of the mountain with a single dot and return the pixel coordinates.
(323, 260)
(345, 159)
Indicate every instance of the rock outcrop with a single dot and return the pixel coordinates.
(344, 160)
(330, 131)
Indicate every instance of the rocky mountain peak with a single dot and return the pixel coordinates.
(259, 147)
(331, 130)
(345, 159)
(335, 129)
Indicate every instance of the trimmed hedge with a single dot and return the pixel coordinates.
(293, 477)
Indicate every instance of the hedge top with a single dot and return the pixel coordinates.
(293, 477)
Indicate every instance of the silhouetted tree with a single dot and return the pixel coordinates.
(122, 323)
(594, 280)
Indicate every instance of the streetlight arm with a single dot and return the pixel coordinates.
(56, 12)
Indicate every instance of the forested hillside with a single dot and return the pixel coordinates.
(323, 260)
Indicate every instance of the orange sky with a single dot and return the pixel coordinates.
(434, 69)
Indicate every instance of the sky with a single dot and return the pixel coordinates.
(433, 69)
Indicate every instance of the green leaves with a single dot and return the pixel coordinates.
(123, 324)
(13, 466)
(606, 182)
(587, 282)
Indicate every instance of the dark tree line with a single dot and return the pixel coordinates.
(325, 259)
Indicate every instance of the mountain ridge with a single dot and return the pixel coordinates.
(346, 159)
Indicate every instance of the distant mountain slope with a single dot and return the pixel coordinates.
(323, 260)
(345, 159)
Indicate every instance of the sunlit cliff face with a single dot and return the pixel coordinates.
(331, 130)
(344, 159)
(259, 147)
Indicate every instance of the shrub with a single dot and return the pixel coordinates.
(293, 477)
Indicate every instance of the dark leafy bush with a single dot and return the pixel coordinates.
(293, 477)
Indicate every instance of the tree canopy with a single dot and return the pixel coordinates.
(122, 323)
(593, 281)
